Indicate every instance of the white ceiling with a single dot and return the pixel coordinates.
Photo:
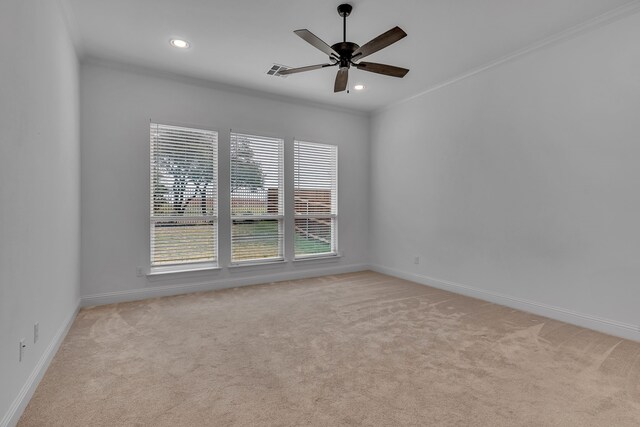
(235, 42)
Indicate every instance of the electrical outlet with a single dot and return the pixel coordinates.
(140, 271)
(23, 347)
(416, 260)
(36, 332)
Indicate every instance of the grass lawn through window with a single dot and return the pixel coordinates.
(189, 242)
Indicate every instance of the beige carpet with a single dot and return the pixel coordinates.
(353, 349)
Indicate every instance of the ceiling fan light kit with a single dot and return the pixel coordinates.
(345, 54)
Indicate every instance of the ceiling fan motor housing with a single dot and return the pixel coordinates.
(345, 50)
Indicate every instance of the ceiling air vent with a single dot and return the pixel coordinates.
(275, 70)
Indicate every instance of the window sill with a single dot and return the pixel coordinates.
(325, 257)
(174, 269)
(257, 263)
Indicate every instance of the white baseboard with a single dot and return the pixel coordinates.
(18, 406)
(222, 283)
(607, 326)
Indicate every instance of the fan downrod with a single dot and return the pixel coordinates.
(345, 49)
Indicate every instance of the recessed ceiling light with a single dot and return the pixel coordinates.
(358, 87)
(182, 44)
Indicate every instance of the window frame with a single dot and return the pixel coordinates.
(333, 215)
(187, 266)
(286, 217)
(280, 217)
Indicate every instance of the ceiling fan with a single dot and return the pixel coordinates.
(345, 54)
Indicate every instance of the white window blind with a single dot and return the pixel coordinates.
(183, 195)
(257, 202)
(315, 199)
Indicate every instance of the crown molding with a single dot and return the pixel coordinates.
(572, 32)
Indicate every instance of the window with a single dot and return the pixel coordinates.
(183, 195)
(315, 199)
(257, 202)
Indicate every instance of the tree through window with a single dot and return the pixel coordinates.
(183, 195)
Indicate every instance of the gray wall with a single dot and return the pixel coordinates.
(522, 181)
(117, 104)
(39, 188)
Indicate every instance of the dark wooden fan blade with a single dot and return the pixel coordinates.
(380, 42)
(302, 69)
(316, 42)
(341, 80)
(387, 70)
